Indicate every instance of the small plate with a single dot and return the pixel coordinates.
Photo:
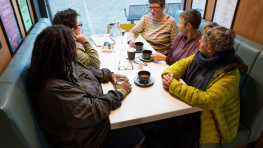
(139, 51)
(142, 59)
(106, 50)
(137, 82)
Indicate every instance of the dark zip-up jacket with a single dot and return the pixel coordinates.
(76, 114)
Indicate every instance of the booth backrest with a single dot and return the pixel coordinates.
(18, 126)
(251, 85)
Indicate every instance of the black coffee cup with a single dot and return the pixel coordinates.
(138, 46)
(147, 54)
(131, 53)
(144, 76)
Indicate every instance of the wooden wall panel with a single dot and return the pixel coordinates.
(249, 20)
(31, 12)
(188, 4)
(209, 10)
(5, 55)
(19, 19)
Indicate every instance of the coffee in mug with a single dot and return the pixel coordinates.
(146, 54)
(144, 76)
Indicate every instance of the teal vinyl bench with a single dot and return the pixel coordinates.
(18, 126)
(251, 91)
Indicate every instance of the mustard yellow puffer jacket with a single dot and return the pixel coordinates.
(220, 102)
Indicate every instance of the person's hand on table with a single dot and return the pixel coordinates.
(158, 57)
(126, 85)
(131, 43)
(81, 38)
(167, 80)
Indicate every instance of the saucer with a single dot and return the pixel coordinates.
(139, 51)
(142, 59)
(137, 82)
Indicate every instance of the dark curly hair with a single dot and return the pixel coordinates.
(191, 16)
(54, 52)
(67, 17)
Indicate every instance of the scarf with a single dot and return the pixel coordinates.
(208, 66)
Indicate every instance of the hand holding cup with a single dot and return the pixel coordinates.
(131, 43)
(126, 85)
(158, 57)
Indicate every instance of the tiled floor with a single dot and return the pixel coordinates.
(96, 14)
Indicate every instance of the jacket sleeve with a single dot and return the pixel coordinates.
(136, 30)
(89, 57)
(103, 75)
(179, 68)
(215, 95)
(80, 109)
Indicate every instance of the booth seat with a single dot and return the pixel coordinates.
(18, 126)
(251, 91)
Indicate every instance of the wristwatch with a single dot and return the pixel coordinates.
(86, 42)
(122, 92)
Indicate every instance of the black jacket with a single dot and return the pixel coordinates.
(76, 114)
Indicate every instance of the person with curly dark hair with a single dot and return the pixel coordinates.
(68, 99)
(85, 52)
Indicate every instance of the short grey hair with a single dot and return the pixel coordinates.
(219, 37)
(191, 16)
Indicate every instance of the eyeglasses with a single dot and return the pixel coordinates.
(80, 24)
(129, 67)
(154, 8)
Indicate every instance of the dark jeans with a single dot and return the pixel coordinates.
(185, 128)
(124, 137)
(181, 132)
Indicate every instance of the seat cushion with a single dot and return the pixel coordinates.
(244, 49)
(251, 101)
(17, 119)
(26, 47)
(45, 20)
(30, 38)
(240, 139)
(203, 23)
(238, 40)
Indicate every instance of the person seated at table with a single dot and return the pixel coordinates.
(68, 99)
(212, 83)
(158, 28)
(85, 51)
(186, 43)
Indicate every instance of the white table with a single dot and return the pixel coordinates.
(142, 104)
